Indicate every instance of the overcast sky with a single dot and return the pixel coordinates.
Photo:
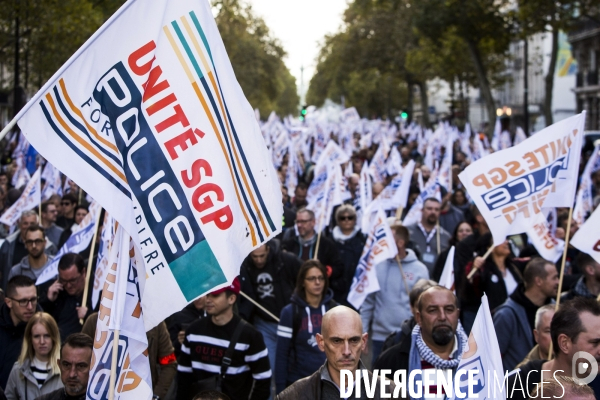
(300, 26)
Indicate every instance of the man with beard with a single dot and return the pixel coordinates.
(437, 341)
(75, 362)
(342, 339)
(426, 236)
(514, 320)
(575, 328)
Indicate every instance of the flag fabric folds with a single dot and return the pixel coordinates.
(447, 277)
(109, 226)
(587, 237)
(379, 247)
(121, 314)
(511, 186)
(157, 129)
(483, 357)
(30, 198)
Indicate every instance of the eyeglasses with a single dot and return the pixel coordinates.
(70, 281)
(316, 278)
(25, 302)
(303, 221)
(37, 242)
(347, 218)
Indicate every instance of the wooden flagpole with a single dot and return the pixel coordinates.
(399, 211)
(88, 272)
(251, 300)
(402, 273)
(562, 270)
(437, 234)
(485, 256)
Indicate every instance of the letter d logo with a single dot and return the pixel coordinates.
(587, 368)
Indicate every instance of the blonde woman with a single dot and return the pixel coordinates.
(36, 372)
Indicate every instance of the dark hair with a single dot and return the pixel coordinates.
(70, 197)
(453, 240)
(78, 341)
(301, 186)
(211, 395)
(299, 291)
(81, 207)
(36, 228)
(430, 199)
(401, 232)
(583, 260)
(70, 259)
(536, 268)
(45, 205)
(567, 320)
(453, 196)
(18, 281)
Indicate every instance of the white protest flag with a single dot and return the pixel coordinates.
(77, 242)
(511, 186)
(445, 173)
(414, 213)
(496, 136)
(349, 115)
(583, 200)
(379, 247)
(280, 146)
(21, 176)
(30, 198)
(157, 129)
(377, 167)
(395, 194)
(479, 151)
(122, 315)
(549, 247)
(587, 237)
(365, 187)
(483, 358)
(520, 136)
(331, 195)
(331, 155)
(393, 165)
(447, 277)
(53, 182)
(293, 169)
(109, 226)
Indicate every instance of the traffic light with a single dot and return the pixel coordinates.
(404, 115)
(303, 113)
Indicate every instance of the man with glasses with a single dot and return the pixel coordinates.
(304, 246)
(75, 363)
(64, 297)
(18, 308)
(49, 215)
(36, 260)
(67, 211)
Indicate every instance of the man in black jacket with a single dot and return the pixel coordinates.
(18, 308)
(304, 245)
(589, 284)
(268, 276)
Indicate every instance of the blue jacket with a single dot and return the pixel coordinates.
(515, 336)
(301, 358)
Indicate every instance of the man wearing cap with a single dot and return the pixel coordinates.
(247, 371)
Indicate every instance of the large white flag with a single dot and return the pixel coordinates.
(122, 314)
(109, 226)
(395, 194)
(587, 237)
(77, 242)
(483, 358)
(416, 210)
(379, 247)
(30, 198)
(157, 129)
(330, 196)
(511, 186)
(547, 245)
(52, 182)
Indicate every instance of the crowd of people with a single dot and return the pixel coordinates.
(284, 328)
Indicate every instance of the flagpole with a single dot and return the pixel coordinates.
(402, 273)
(485, 256)
(562, 269)
(251, 300)
(113, 366)
(399, 211)
(437, 233)
(88, 272)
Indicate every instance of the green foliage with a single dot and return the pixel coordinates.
(52, 30)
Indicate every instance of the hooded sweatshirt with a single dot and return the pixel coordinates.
(385, 310)
(302, 357)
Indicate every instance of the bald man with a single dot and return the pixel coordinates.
(343, 342)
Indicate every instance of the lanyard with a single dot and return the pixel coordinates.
(429, 237)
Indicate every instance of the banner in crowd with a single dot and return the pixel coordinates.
(587, 237)
(395, 194)
(30, 198)
(584, 201)
(52, 182)
(77, 242)
(547, 245)
(482, 359)
(121, 315)
(511, 186)
(447, 277)
(416, 210)
(109, 226)
(379, 247)
(157, 129)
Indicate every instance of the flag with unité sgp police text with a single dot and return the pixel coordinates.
(511, 186)
(149, 119)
